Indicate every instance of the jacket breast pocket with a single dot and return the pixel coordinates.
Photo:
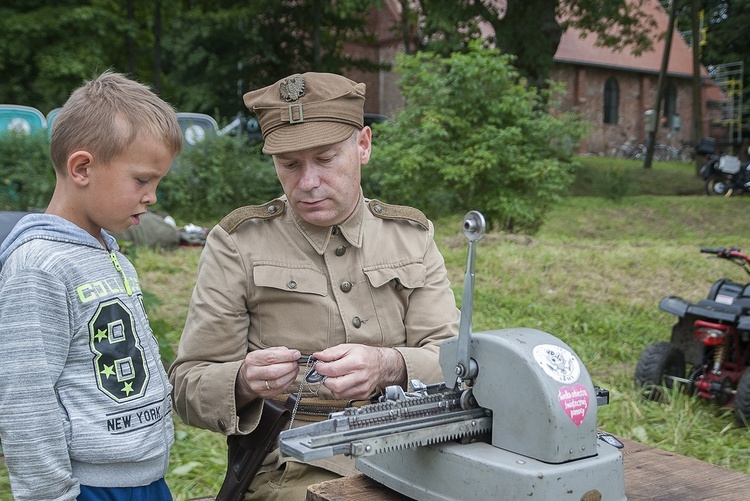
(392, 287)
(291, 308)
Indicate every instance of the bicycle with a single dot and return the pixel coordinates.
(667, 152)
(630, 150)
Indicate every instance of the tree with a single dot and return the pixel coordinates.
(48, 49)
(217, 51)
(473, 135)
(200, 55)
(531, 29)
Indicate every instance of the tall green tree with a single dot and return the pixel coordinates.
(48, 48)
(531, 29)
(217, 51)
(200, 55)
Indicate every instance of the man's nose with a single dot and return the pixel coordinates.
(310, 177)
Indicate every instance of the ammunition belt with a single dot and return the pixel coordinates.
(318, 409)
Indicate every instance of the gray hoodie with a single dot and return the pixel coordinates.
(84, 398)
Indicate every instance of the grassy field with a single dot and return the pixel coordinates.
(592, 276)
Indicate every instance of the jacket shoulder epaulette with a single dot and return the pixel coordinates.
(269, 210)
(388, 211)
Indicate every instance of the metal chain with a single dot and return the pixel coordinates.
(309, 367)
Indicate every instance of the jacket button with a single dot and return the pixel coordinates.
(346, 286)
(399, 286)
(272, 209)
(378, 208)
(340, 250)
(335, 230)
(357, 322)
(292, 284)
(221, 424)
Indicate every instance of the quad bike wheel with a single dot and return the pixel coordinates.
(657, 361)
(719, 185)
(742, 400)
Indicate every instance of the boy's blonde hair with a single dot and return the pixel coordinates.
(105, 116)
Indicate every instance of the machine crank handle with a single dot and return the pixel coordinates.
(466, 368)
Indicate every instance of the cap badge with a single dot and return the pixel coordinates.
(292, 89)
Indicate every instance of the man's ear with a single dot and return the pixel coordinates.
(364, 143)
(79, 163)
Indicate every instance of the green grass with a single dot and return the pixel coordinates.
(609, 177)
(592, 276)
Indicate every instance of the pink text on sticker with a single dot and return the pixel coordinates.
(574, 401)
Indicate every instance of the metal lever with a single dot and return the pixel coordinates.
(466, 367)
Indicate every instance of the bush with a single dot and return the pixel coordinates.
(614, 183)
(473, 135)
(27, 178)
(205, 183)
(209, 181)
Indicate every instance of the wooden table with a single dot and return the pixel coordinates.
(650, 474)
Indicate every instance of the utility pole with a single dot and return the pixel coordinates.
(697, 84)
(651, 143)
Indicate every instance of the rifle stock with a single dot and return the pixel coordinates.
(245, 453)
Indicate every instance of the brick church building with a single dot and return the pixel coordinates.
(611, 90)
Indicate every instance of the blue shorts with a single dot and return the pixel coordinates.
(156, 491)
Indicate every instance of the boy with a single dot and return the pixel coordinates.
(85, 406)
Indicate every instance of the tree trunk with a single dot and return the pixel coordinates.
(157, 46)
(317, 13)
(697, 85)
(651, 143)
(129, 43)
(406, 26)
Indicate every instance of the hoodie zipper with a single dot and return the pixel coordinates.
(125, 280)
(164, 382)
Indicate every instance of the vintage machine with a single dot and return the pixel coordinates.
(516, 418)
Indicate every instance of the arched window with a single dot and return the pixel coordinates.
(611, 101)
(670, 105)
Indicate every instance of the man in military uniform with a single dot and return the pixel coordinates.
(322, 271)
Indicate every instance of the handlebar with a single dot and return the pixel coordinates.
(732, 254)
(723, 252)
(708, 250)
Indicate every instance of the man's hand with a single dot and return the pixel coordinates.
(354, 371)
(265, 374)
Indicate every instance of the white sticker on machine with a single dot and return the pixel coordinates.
(557, 362)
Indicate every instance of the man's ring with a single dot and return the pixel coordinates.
(268, 387)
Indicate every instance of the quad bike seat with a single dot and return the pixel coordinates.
(728, 291)
(743, 303)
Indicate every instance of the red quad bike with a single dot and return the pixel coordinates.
(713, 338)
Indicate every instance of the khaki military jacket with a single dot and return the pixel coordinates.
(267, 278)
